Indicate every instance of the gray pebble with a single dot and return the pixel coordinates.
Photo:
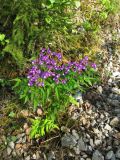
(118, 153)
(109, 155)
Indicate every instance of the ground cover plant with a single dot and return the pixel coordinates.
(50, 84)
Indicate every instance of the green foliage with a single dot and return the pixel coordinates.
(16, 53)
(3, 41)
(31, 24)
(41, 127)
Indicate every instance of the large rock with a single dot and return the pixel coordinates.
(97, 156)
(118, 153)
(68, 140)
(110, 155)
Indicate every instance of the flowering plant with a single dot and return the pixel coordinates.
(49, 66)
(50, 83)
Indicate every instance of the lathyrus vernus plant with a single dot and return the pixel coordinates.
(50, 83)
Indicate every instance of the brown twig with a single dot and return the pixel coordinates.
(50, 139)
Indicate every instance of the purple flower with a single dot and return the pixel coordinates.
(86, 58)
(30, 84)
(93, 65)
(43, 50)
(48, 51)
(45, 75)
(64, 81)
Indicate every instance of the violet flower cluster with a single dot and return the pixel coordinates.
(49, 65)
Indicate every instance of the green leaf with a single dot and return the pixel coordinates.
(52, 1)
(26, 99)
(103, 15)
(7, 41)
(48, 19)
(73, 101)
(48, 92)
(2, 37)
(87, 79)
(57, 93)
(13, 138)
(77, 3)
(11, 114)
(35, 103)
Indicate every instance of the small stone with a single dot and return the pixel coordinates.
(118, 153)
(18, 152)
(109, 148)
(65, 129)
(96, 131)
(110, 80)
(18, 146)
(38, 155)
(20, 135)
(114, 122)
(97, 142)
(93, 123)
(115, 103)
(12, 145)
(100, 89)
(97, 156)
(28, 131)
(88, 158)
(27, 158)
(76, 149)
(34, 156)
(14, 153)
(90, 148)
(39, 111)
(71, 154)
(19, 140)
(84, 121)
(51, 156)
(116, 142)
(116, 74)
(75, 116)
(25, 126)
(82, 159)
(116, 90)
(24, 146)
(101, 116)
(107, 127)
(84, 156)
(109, 155)
(9, 150)
(87, 135)
(25, 113)
(24, 139)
